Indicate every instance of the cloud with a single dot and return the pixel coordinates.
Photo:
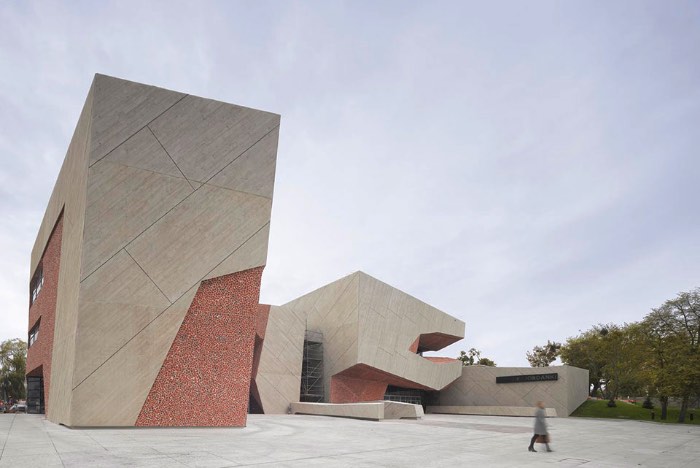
(527, 168)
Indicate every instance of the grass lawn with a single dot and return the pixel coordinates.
(624, 410)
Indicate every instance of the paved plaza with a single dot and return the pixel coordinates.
(299, 441)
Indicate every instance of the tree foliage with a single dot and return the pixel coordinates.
(585, 351)
(473, 357)
(672, 365)
(543, 356)
(659, 356)
(13, 359)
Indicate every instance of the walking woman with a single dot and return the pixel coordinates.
(540, 428)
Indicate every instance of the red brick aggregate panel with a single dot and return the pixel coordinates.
(44, 310)
(364, 383)
(205, 378)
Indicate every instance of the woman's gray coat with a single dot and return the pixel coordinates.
(540, 424)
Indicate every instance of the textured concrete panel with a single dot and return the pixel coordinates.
(122, 202)
(195, 236)
(121, 108)
(398, 410)
(578, 386)
(253, 253)
(114, 394)
(477, 387)
(278, 377)
(143, 151)
(374, 411)
(204, 136)
(389, 323)
(522, 411)
(68, 196)
(117, 302)
(254, 170)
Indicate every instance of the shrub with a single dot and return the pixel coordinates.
(648, 404)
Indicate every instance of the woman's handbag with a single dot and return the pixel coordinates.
(542, 439)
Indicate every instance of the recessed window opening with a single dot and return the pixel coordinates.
(33, 334)
(36, 284)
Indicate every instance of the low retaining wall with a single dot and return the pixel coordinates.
(375, 410)
(490, 410)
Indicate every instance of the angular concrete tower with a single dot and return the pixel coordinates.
(146, 269)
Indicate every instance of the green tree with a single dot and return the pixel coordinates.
(13, 361)
(473, 357)
(660, 350)
(484, 361)
(674, 328)
(586, 351)
(543, 356)
(621, 348)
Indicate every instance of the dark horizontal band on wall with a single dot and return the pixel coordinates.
(527, 378)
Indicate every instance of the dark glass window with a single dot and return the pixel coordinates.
(33, 334)
(36, 284)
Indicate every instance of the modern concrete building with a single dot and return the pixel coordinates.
(145, 280)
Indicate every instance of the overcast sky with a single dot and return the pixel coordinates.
(531, 168)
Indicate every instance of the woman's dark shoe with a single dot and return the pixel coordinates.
(531, 449)
(550, 450)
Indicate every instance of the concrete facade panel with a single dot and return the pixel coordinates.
(121, 109)
(143, 151)
(253, 253)
(193, 238)
(279, 373)
(117, 302)
(203, 136)
(122, 202)
(68, 196)
(254, 171)
(477, 387)
(389, 323)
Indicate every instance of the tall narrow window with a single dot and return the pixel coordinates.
(33, 334)
(36, 284)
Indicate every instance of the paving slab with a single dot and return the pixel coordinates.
(301, 441)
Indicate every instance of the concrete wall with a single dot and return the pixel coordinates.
(477, 387)
(371, 333)
(68, 195)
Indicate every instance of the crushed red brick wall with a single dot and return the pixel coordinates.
(44, 309)
(364, 383)
(205, 378)
(348, 390)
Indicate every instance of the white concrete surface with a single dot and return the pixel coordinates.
(477, 387)
(301, 441)
(527, 411)
(373, 410)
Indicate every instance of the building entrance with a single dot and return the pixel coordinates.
(35, 394)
